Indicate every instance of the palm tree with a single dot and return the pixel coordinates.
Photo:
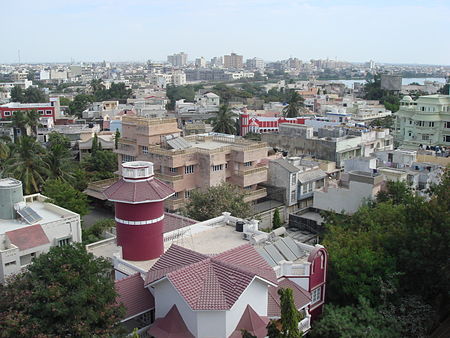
(32, 118)
(294, 104)
(19, 121)
(224, 121)
(97, 85)
(26, 164)
(59, 162)
(4, 149)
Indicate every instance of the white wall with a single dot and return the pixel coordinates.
(342, 199)
(256, 296)
(211, 324)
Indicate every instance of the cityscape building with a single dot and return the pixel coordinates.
(233, 61)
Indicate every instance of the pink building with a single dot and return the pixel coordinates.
(264, 124)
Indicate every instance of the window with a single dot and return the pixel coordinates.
(189, 169)
(425, 137)
(10, 263)
(7, 113)
(430, 124)
(447, 124)
(447, 138)
(41, 112)
(316, 295)
(187, 194)
(144, 149)
(128, 158)
(293, 196)
(226, 165)
(64, 241)
(176, 195)
(293, 179)
(409, 133)
(248, 164)
(173, 170)
(48, 112)
(147, 318)
(217, 167)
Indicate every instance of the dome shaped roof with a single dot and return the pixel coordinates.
(407, 98)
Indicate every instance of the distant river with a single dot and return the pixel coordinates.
(405, 81)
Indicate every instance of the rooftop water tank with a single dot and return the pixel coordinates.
(10, 194)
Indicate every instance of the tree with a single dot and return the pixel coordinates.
(17, 94)
(101, 166)
(34, 95)
(19, 122)
(63, 194)
(272, 330)
(290, 316)
(65, 292)
(246, 334)
(276, 221)
(26, 164)
(94, 147)
(357, 321)
(212, 202)
(295, 102)
(94, 232)
(4, 150)
(444, 90)
(116, 139)
(59, 157)
(80, 103)
(224, 121)
(64, 101)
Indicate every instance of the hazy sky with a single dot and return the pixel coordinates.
(397, 31)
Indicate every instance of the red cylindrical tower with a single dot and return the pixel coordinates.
(139, 202)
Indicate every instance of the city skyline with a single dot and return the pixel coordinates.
(397, 32)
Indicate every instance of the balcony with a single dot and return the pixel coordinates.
(244, 178)
(168, 178)
(255, 194)
(305, 324)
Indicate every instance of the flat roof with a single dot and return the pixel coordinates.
(17, 105)
(42, 209)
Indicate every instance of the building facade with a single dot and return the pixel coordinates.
(425, 121)
(233, 61)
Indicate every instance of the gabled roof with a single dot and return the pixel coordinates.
(211, 282)
(170, 326)
(311, 175)
(301, 297)
(286, 165)
(252, 323)
(133, 295)
(28, 237)
(139, 191)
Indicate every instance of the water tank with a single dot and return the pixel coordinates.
(240, 226)
(10, 194)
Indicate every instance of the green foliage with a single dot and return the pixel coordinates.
(102, 165)
(64, 101)
(94, 232)
(116, 139)
(384, 122)
(224, 121)
(295, 103)
(29, 95)
(175, 93)
(26, 164)
(383, 243)
(59, 157)
(290, 317)
(212, 202)
(63, 194)
(253, 136)
(358, 321)
(65, 292)
(445, 89)
(80, 103)
(373, 91)
(95, 144)
(272, 330)
(117, 91)
(276, 221)
(246, 334)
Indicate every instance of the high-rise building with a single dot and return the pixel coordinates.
(200, 62)
(233, 61)
(255, 64)
(178, 60)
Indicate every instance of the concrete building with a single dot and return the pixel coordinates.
(199, 161)
(353, 190)
(233, 61)
(29, 226)
(425, 121)
(200, 62)
(178, 60)
(44, 109)
(332, 144)
(255, 64)
(208, 279)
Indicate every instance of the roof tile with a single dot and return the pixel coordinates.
(133, 295)
(28, 237)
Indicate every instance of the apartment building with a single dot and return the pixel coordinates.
(425, 121)
(233, 61)
(197, 161)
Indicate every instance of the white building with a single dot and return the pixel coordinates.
(30, 226)
(425, 121)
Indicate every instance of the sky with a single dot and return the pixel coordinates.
(395, 31)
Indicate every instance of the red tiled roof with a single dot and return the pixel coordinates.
(28, 237)
(173, 222)
(133, 295)
(301, 297)
(170, 326)
(252, 323)
(138, 192)
(211, 283)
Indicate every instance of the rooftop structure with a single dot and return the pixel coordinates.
(29, 226)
